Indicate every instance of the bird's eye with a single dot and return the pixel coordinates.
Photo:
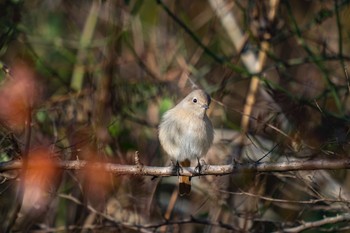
(194, 100)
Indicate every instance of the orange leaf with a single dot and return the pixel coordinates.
(39, 179)
(17, 96)
(96, 180)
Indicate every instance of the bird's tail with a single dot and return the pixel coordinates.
(184, 181)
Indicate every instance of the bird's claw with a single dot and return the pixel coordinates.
(198, 168)
(176, 167)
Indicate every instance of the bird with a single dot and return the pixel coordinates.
(186, 133)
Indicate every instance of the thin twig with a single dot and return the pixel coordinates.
(189, 31)
(219, 59)
(299, 202)
(253, 63)
(309, 225)
(24, 165)
(308, 50)
(347, 77)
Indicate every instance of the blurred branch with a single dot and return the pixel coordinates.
(46, 65)
(309, 225)
(340, 41)
(143, 227)
(298, 202)
(141, 62)
(190, 32)
(195, 38)
(224, 13)
(24, 166)
(308, 50)
(253, 63)
(319, 18)
(197, 221)
(85, 40)
(217, 170)
(170, 208)
(89, 207)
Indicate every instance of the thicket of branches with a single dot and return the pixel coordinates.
(84, 84)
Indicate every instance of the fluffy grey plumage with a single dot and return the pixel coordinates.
(185, 131)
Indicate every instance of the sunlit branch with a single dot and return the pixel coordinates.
(218, 170)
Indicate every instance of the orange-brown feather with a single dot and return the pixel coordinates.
(184, 181)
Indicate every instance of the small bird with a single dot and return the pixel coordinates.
(186, 133)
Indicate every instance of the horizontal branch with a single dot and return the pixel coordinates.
(119, 169)
(315, 224)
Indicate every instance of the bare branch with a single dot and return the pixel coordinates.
(217, 170)
(315, 224)
(299, 202)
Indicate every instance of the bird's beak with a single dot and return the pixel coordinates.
(205, 106)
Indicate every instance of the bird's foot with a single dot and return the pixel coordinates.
(176, 167)
(198, 168)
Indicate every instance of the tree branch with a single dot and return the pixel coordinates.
(217, 170)
(315, 224)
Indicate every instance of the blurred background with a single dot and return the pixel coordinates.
(90, 80)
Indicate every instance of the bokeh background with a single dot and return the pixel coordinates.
(90, 80)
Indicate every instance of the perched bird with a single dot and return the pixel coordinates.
(186, 133)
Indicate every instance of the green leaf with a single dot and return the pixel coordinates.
(41, 116)
(165, 105)
(4, 157)
(115, 129)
